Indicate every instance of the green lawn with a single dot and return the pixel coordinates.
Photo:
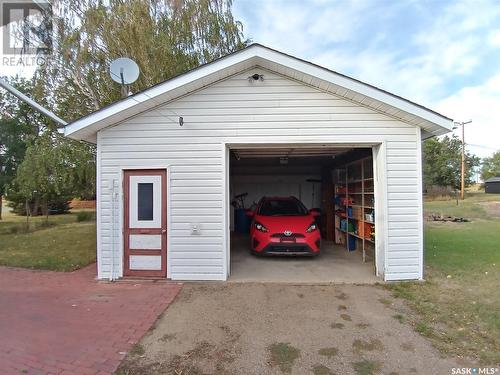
(62, 245)
(458, 305)
(463, 249)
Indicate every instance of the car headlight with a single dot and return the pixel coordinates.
(312, 228)
(260, 227)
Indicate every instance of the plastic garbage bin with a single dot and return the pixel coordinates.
(242, 221)
(352, 243)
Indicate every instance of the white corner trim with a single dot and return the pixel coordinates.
(226, 267)
(121, 223)
(420, 202)
(169, 265)
(384, 204)
(98, 211)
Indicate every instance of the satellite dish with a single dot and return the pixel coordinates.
(124, 71)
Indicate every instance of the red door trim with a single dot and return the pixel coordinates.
(127, 230)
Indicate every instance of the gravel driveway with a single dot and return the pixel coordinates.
(284, 329)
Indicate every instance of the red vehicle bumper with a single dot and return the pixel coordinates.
(279, 244)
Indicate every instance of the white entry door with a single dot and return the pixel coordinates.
(145, 224)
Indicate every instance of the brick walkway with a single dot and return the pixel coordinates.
(68, 323)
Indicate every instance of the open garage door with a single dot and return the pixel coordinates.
(331, 183)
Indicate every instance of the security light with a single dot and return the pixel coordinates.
(256, 77)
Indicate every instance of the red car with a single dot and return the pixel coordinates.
(283, 226)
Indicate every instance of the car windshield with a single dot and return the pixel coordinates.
(282, 207)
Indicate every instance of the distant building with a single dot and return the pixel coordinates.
(492, 185)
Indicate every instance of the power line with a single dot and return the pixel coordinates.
(158, 104)
(483, 146)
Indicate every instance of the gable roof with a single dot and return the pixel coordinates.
(431, 122)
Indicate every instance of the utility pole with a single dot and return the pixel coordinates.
(462, 181)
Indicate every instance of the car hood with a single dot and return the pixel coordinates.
(279, 224)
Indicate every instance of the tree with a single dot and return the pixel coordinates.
(19, 124)
(165, 38)
(84, 171)
(11, 151)
(47, 174)
(491, 166)
(442, 162)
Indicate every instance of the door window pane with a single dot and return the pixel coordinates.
(144, 201)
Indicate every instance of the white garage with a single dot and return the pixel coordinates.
(172, 158)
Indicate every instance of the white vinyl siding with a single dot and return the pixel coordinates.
(236, 111)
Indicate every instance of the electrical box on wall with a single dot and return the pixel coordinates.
(195, 228)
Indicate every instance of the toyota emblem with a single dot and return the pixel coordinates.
(287, 233)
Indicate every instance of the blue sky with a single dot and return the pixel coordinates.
(441, 54)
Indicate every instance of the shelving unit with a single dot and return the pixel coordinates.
(354, 200)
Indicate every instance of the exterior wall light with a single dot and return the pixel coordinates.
(256, 77)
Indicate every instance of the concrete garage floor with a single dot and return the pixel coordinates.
(334, 265)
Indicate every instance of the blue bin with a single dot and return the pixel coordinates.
(343, 225)
(351, 243)
(349, 211)
(242, 221)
